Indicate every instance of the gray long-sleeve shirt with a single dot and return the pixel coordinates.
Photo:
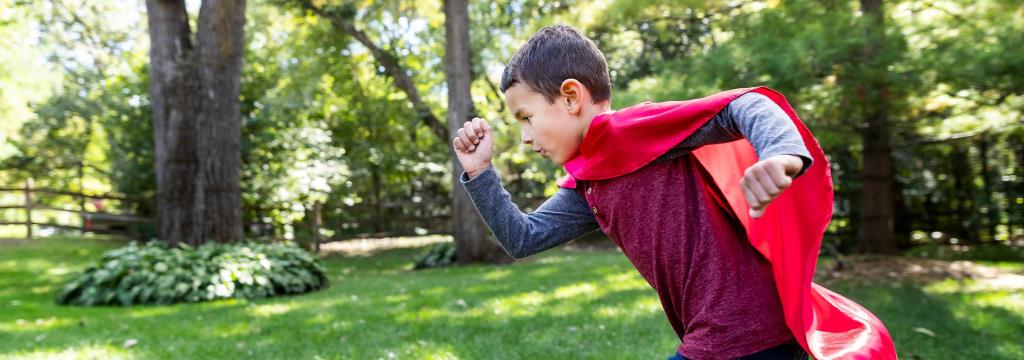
(566, 215)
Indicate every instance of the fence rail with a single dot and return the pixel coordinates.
(92, 221)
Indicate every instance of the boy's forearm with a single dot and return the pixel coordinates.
(487, 195)
(473, 174)
(557, 221)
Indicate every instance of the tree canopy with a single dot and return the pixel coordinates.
(323, 119)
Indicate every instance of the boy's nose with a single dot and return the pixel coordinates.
(526, 138)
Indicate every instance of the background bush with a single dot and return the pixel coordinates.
(156, 274)
(437, 255)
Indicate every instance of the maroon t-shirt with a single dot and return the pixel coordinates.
(716, 289)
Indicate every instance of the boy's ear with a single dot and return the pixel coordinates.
(572, 95)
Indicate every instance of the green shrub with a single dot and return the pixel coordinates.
(437, 255)
(157, 274)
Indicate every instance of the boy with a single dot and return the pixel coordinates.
(684, 200)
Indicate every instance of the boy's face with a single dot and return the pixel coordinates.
(550, 129)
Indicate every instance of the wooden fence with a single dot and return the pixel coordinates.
(430, 215)
(98, 221)
(387, 219)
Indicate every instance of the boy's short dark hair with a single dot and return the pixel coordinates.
(554, 54)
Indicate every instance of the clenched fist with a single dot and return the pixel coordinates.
(474, 146)
(766, 179)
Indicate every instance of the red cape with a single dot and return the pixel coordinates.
(826, 324)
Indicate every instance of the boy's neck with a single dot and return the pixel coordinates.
(590, 111)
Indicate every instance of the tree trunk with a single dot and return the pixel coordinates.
(196, 121)
(221, 40)
(991, 210)
(468, 229)
(471, 236)
(876, 222)
(1017, 187)
(902, 224)
(378, 214)
(172, 82)
(962, 178)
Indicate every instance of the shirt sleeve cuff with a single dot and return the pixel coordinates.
(807, 163)
(488, 172)
(800, 152)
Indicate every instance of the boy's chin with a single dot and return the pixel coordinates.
(558, 160)
(555, 159)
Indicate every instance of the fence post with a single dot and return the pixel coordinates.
(85, 217)
(316, 226)
(28, 207)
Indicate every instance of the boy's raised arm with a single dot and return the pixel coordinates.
(563, 217)
(780, 148)
(755, 117)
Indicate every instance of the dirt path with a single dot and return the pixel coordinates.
(867, 268)
(366, 247)
(12, 241)
(876, 268)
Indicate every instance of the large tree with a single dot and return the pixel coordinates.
(194, 87)
(469, 231)
(877, 199)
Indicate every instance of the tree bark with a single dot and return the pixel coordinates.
(378, 214)
(472, 242)
(196, 121)
(172, 73)
(991, 214)
(966, 229)
(221, 38)
(876, 222)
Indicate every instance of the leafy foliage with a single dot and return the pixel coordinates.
(437, 255)
(157, 274)
(323, 121)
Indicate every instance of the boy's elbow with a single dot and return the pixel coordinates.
(518, 246)
(517, 252)
(513, 249)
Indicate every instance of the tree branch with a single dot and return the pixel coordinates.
(390, 63)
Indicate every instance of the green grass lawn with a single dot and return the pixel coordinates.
(560, 304)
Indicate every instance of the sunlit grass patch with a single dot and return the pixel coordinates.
(559, 304)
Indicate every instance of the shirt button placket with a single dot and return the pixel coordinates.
(590, 192)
